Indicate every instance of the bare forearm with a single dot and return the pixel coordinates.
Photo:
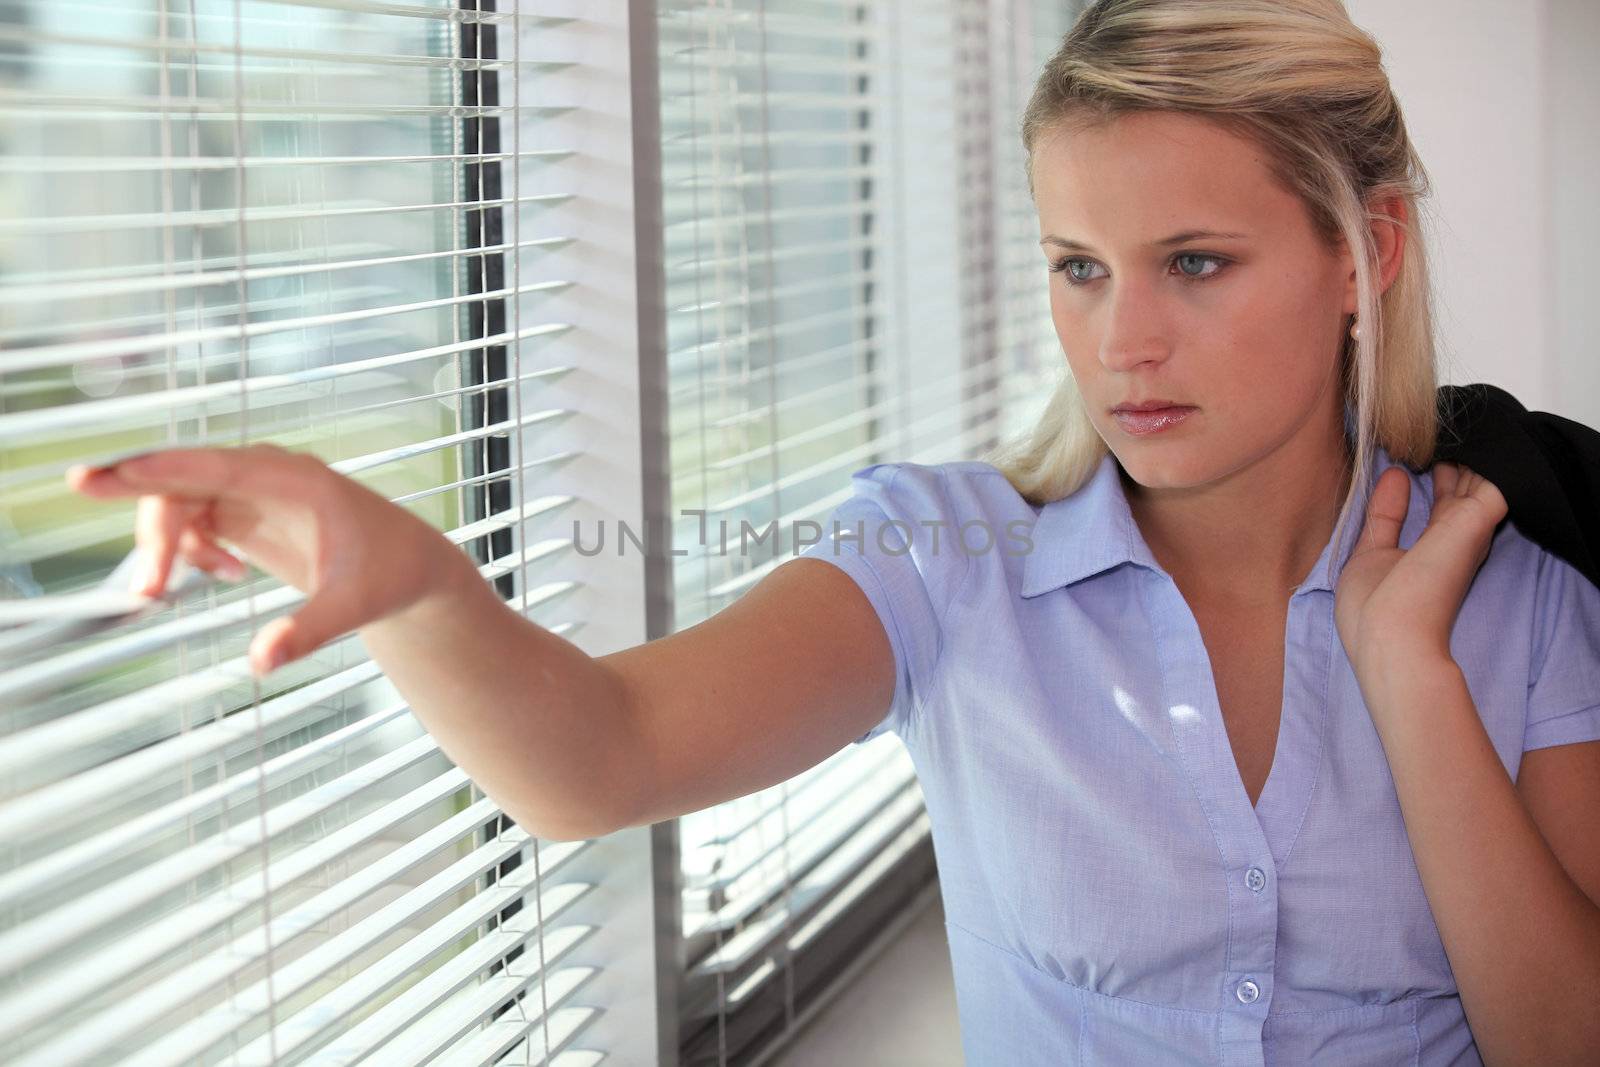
(1522, 939)
(531, 717)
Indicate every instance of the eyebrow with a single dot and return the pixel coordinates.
(1175, 239)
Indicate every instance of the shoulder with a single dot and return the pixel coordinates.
(944, 520)
(1566, 607)
(1561, 641)
(1527, 599)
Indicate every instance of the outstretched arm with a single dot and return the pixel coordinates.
(570, 745)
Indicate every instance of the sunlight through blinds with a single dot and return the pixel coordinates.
(315, 223)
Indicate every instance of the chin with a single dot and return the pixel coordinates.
(1155, 469)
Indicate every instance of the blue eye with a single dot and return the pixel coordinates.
(1065, 267)
(1218, 260)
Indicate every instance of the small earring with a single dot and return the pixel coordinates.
(1355, 330)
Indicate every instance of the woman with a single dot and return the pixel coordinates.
(1232, 756)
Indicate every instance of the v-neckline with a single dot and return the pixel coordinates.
(1202, 737)
(1281, 689)
(1275, 770)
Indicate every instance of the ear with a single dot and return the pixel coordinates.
(1389, 235)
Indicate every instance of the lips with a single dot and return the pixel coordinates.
(1142, 423)
(1149, 405)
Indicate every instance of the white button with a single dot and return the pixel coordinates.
(1256, 879)
(1247, 992)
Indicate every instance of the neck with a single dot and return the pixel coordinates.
(1251, 538)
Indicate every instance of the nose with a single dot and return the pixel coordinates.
(1133, 329)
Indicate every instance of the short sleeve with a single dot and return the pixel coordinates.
(1564, 676)
(894, 536)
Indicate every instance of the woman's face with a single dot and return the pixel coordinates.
(1244, 322)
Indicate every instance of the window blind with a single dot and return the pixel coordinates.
(1022, 36)
(334, 225)
(849, 280)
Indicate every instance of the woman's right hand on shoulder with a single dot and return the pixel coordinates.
(357, 556)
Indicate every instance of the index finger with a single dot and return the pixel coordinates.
(183, 472)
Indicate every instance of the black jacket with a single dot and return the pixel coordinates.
(1547, 467)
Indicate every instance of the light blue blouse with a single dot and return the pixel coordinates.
(1111, 896)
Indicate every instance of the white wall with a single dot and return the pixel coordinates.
(1506, 118)
(1572, 123)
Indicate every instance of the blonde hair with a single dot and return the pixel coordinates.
(1300, 79)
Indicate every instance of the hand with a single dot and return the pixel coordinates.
(357, 556)
(1391, 597)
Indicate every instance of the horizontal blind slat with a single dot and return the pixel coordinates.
(371, 1034)
(195, 109)
(289, 1036)
(142, 831)
(70, 984)
(201, 272)
(230, 216)
(27, 425)
(30, 941)
(745, 849)
(461, 15)
(807, 850)
(500, 1037)
(426, 1043)
(62, 354)
(179, 988)
(856, 849)
(247, 50)
(855, 871)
